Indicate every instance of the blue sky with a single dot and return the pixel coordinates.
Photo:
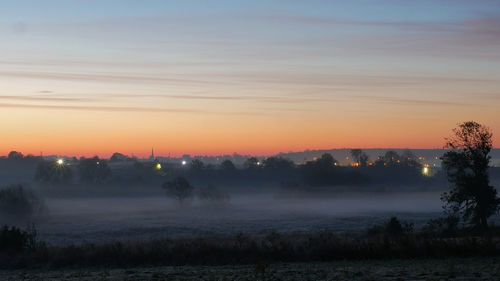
(275, 67)
(395, 10)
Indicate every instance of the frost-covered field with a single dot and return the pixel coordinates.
(449, 269)
(79, 220)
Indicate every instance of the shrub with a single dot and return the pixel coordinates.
(213, 194)
(15, 240)
(18, 201)
(447, 226)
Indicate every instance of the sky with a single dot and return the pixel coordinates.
(253, 77)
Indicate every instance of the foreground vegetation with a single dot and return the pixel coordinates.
(392, 240)
(429, 269)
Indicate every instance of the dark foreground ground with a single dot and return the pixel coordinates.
(427, 269)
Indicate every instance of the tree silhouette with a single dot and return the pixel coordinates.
(278, 163)
(360, 157)
(179, 189)
(197, 165)
(326, 161)
(93, 170)
(53, 172)
(227, 165)
(320, 171)
(251, 163)
(15, 155)
(117, 157)
(391, 158)
(408, 159)
(466, 166)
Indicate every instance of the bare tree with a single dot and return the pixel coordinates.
(179, 189)
(360, 157)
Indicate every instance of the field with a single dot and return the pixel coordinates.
(79, 220)
(432, 269)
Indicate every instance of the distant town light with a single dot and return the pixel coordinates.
(158, 166)
(60, 161)
(184, 162)
(426, 170)
(97, 162)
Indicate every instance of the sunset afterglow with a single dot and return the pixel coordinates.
(259, 77)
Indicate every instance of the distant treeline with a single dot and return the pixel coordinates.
(389, 169)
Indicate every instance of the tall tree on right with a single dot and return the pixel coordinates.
(466, 165)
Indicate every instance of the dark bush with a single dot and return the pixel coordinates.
(212, 194)
(18, 201)
(446, 227)
(15, 240)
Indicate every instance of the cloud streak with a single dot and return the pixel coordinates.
(110, 78)
(409, 102)
(38, 98)
(132, 109)
(99, 108)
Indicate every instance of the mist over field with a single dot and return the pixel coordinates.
(74, 220)
(127, 202)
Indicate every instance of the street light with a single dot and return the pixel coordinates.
(426, 170)
(60, 161)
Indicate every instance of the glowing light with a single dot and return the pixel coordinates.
(426, 170)
(97, 162)
(184, 162)
(60, 161)
(158, 166)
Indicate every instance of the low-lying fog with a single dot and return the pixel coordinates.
(79, 220)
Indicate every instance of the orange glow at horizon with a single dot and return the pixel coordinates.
(103, 133)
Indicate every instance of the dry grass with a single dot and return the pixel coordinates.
(428, 269)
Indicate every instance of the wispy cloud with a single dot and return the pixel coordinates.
(236, 98)
(104, 77)
(99, 108)
(409, 102)
(42, 98)
(133, 109)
